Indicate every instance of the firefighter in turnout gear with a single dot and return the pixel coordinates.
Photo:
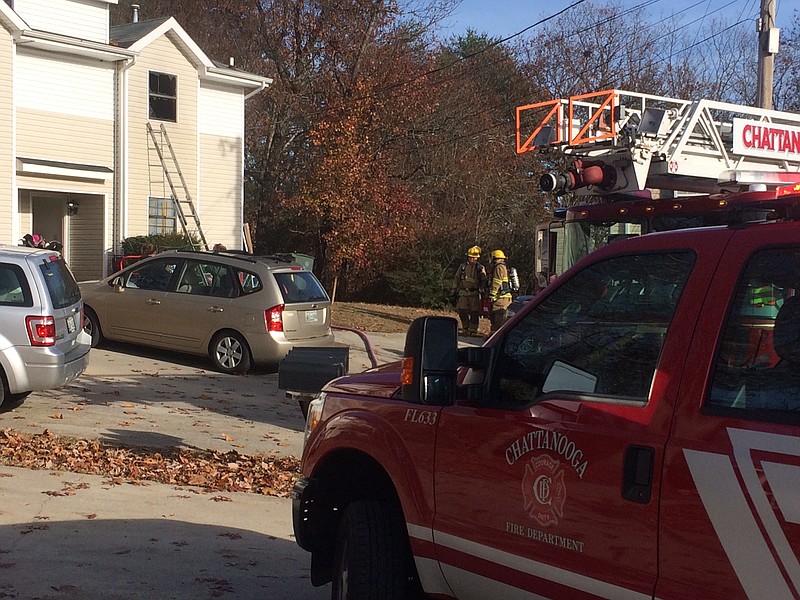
(499, 290)
(469, 281)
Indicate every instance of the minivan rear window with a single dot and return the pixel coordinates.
(300, 286)
(60, 283)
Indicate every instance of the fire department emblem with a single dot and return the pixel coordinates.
(544, 490)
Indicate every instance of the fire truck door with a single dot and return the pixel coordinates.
(731, 526)
(551, 485)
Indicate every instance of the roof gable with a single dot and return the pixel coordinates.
(11, 20)
(137, 36)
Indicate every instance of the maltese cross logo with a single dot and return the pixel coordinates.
(544, 490)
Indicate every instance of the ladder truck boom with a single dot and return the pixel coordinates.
(625, 142)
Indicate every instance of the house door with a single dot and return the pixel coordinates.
(48, 218)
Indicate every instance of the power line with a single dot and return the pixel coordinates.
(460, 60)
(667, 58)
(700, 43)
(510, 37)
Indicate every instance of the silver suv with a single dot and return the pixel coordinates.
(239, 309)
(42, 343)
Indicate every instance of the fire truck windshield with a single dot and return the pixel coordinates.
(586, 231)
(583, 237)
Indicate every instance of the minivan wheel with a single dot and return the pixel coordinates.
(230, 353)
(91, 325)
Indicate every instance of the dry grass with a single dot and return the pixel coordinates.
(379, 318)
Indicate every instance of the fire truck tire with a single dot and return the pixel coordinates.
(372, 559)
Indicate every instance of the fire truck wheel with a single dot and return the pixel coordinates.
(372, 560)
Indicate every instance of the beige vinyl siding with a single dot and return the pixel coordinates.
(221, 126)
(6, 136)
(145, 177)
(221, 110)
(221, 187)
(52, 136)
(65, 85)
(25, 213)
(84, 19)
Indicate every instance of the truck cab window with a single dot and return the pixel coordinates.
(599, 334)
(757, 369)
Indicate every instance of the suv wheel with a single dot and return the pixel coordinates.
(91, 325)
(372, 559)
(13, 400)
(230, 353)
(7, 399)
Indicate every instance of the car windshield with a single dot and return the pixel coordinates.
(60, 282)
(300, 286)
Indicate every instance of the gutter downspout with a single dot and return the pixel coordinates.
(120, 218)
(263, 86)
(258, 90)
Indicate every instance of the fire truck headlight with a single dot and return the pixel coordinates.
(314, 416)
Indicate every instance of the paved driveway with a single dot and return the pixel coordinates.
(141, 398)
(135, 396)
(79, 537)
(83, 537)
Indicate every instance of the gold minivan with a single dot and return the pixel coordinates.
(239, 309)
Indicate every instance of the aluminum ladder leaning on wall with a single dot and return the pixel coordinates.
(184, 207)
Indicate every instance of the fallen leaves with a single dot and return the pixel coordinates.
(211, 470)
(59, 492)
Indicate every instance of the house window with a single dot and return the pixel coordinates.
(163, 97)
(161, 216)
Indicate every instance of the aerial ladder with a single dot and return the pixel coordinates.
(623, 142)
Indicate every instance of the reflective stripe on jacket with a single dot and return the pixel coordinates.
(499, 286)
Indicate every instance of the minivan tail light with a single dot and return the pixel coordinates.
(274, 318)
(41, 330)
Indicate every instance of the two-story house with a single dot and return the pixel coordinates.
(84, 107)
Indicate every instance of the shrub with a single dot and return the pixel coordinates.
(163, 241)
(424, 284)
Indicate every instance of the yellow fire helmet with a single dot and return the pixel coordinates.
(498, 254)
(475, 251)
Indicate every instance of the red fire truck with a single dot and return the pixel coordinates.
(632, 433)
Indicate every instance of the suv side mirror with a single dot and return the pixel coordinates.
(430, 362)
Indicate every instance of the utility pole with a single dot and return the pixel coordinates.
(767, 48)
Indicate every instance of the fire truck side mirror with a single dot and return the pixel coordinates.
(430, 361)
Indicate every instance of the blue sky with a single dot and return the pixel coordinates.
(502, 18)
